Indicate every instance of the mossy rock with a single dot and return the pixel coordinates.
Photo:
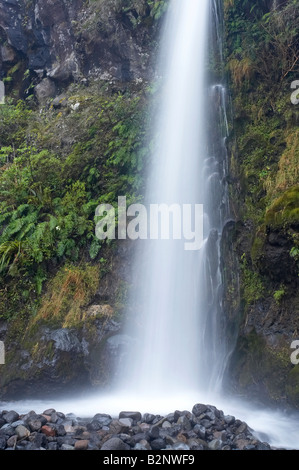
(261, 372)
(258, 245)
(285, 210)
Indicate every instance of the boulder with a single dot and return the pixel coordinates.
(22, 432)
(215, 444)
(81, 444)
(115, 444)
(11, 416)
(67, 447)
(199, 409)
(158, 444)
(134, 415)
(2, 442)
(7, 53)
(48, 431)
(44, 90)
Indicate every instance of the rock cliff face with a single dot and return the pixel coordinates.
(59, 41)
(261, 247)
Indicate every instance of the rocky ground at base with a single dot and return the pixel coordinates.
(205, 428)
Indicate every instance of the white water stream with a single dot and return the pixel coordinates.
(173, 324)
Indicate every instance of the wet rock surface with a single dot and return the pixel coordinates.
(62, 41)
(205, 428)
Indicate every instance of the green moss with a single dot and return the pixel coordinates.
(252, 284)
(258, 246)
(256, 365)
(279, 294)
(250, 355)
(266, 138)
(14, 69)
(284, 211)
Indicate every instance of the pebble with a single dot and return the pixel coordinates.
(205, 428)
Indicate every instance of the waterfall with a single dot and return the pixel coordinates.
(177, 334)
(176, 327)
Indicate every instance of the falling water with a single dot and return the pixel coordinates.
(176, 343)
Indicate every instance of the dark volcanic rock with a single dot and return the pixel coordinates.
(31, 432)
(135, 415)
(115, 444)
(69, 41)
(10, 416)
(199, 409)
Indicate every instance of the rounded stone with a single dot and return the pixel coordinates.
(22, 432)
(81, 444)
(115, 444)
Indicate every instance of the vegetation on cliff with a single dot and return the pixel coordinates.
(49, 189)
(262, 54)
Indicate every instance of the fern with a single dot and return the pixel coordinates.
(26, 230)
(9, 252)
(53, 222)
(94, 249)
(20, 210)
(12, 229)
(40, 230)
(39, 278)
